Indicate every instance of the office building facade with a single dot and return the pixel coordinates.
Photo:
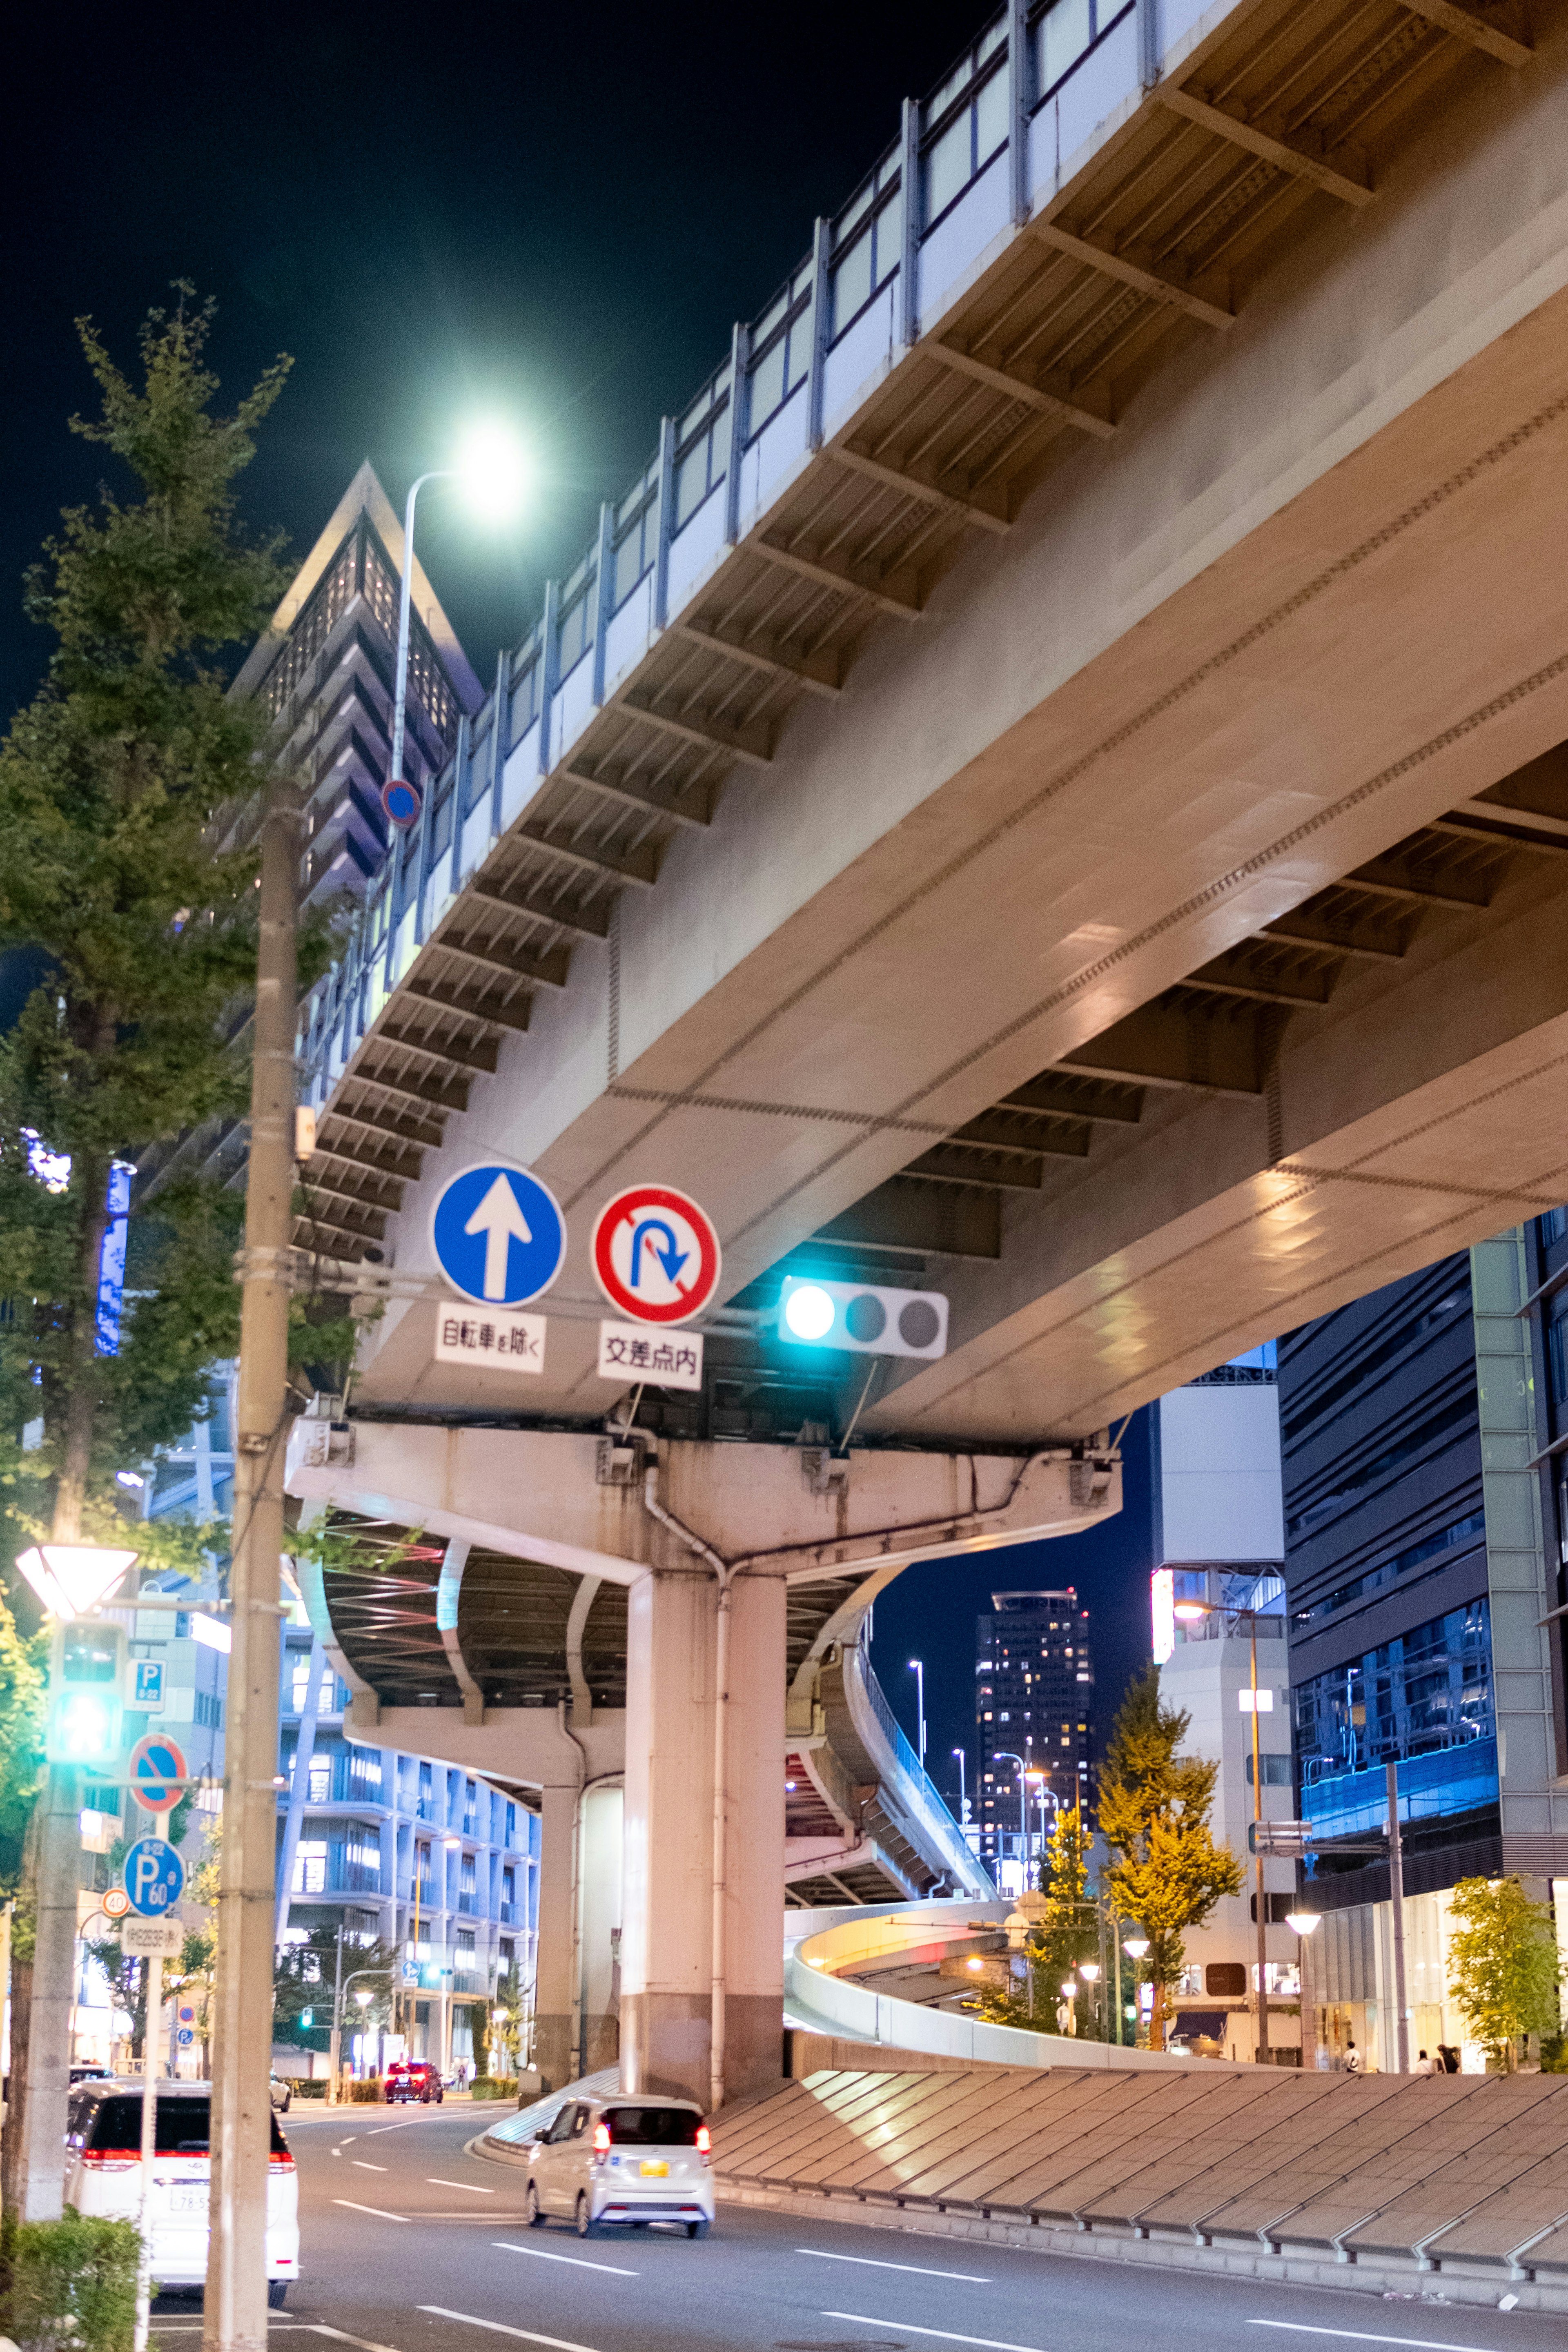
(1218, 1606)
(1424, 1549)
(1034, 1720)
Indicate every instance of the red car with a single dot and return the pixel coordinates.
(413, 2078)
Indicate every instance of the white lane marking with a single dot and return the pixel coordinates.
(948, 2335)
(319, 2327)
(575, 2259)
(406, 2124)
(472, 2187)
(557, 2343)
(374, 2209)
(360, 2164)
(820, 2254)
(336, 2151)
(1361, 2336)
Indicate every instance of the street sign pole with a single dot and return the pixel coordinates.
(236, 2301)
(153, 1965)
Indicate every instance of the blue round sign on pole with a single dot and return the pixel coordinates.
(498, 1235)
(185, 2037)
(154, 1877)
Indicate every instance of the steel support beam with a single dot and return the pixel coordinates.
(765, 658)
(831, 575)
(1131, 273)
(1465, 28)
(1262, 144)
(893, 478)
(1018, 387)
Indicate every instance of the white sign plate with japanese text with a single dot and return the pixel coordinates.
(487, 1339)
(151, 1938)
(668, 1359)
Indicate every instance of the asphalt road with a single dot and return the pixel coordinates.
(408, 2245)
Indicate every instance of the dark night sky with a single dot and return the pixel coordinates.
(550, 214)
(929, 1612)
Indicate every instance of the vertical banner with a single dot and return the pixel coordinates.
(111, 1258)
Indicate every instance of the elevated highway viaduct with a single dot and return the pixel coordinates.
(1050, 788)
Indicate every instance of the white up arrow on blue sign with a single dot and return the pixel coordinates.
(497, 1234)
(154, 1877)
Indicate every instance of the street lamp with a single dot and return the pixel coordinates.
(72, 1578)
(491, 465)
(1189, 1611)
(1304, 1924)
(917, 1668)
(1011, 1756)
(963, 1797)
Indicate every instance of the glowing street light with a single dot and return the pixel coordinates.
(1135, 1947)
(72, 1578)
(1305, 1925)
(917, 1668)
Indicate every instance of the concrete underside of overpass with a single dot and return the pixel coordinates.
(1305, 607)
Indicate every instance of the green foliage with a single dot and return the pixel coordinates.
(112, 784)
(1167, 1871)
(69, 2282)
(1505, 1972)
(494, 2086)
(24, 1667)
(1067, 1931)
(507, 2019)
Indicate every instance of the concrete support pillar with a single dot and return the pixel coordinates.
(666, 1947)
(552, 2036)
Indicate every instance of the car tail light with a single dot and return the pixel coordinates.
(110, 2159)
(704, 2143)
(275, 2163)
(601, 2141)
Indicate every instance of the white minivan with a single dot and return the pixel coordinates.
(623, 2159)
(103, 2178)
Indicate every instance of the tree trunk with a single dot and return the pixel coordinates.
(1157, 2017)
(81, 1387)
(13, 2141)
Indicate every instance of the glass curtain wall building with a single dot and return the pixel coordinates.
(1423, 1549)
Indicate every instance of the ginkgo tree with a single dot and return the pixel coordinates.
(1167, 1870)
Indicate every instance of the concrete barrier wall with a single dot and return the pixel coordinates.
(1452, 2187)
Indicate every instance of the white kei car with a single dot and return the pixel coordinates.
(103, 2178)
(626, 2161)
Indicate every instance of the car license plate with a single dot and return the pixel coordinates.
(652, 2169)
(188, 2201)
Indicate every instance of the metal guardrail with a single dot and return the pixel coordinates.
(918, 1793)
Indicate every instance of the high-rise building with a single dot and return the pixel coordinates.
(1033, 1719)
(1425, 1536)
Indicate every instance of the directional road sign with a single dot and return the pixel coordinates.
(656, 1254)
(157, 1767)
(498, 1235)
(154, 1877)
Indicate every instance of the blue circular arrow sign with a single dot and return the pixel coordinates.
(498, 1235)
(154, 1877)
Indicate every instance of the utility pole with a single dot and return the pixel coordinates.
(236, 2307)
(1396, 1905)
(41, 2052)
(334, 2085)
(1260, 1898)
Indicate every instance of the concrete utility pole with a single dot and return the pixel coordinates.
(1396, 1905)
(236, 2318)
(40, 2074)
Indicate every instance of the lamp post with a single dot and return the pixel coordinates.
(963, 1797)
(917, 1668)
(1089, 1971)
(1188, 1610)
(1010, 1756)
(1304, 1924)
(492, 463)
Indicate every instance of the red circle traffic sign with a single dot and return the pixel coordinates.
(115, 1904)
(155, 1764)
(656, 1254)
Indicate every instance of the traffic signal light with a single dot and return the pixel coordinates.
(87, 1681)
(866, 1318)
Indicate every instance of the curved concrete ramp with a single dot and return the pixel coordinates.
(1450, 2187)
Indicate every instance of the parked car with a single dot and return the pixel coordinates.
(103, 2179)
(280, 2093)
(88, 2075)
(410, 2079)
(622, 2160)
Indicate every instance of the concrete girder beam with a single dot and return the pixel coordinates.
(536, 1493)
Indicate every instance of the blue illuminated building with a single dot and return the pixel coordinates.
(1425, 1535)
